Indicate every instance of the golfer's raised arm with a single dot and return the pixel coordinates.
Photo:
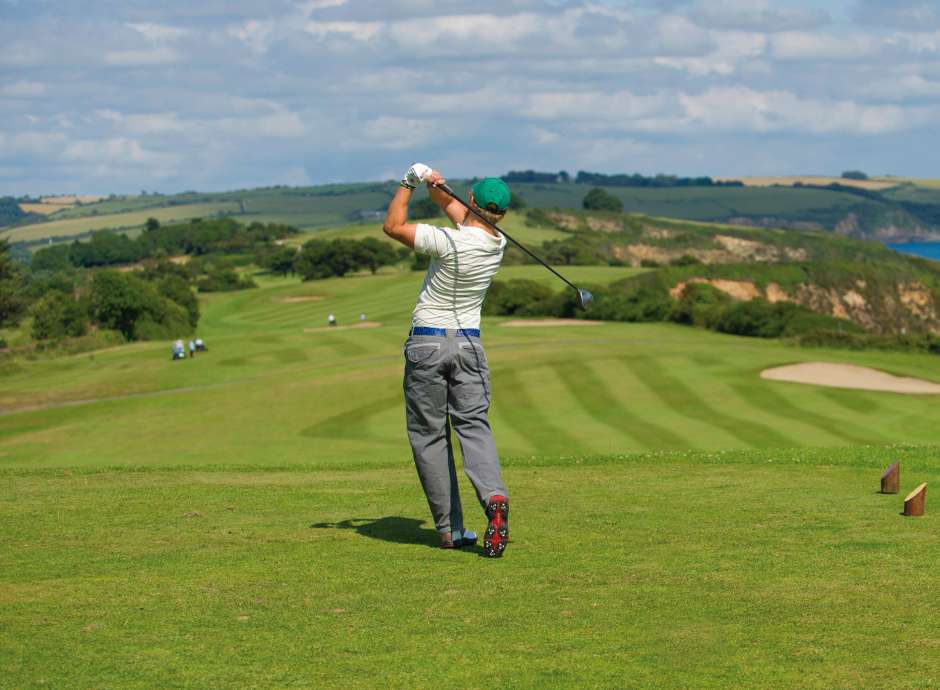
(449, 205)
(396, 218)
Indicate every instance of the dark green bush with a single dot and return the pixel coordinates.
(128, 304)
(224, 280)
(518, 297)
(599, 199)
(59, 315)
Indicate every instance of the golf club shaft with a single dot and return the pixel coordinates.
(450, 192)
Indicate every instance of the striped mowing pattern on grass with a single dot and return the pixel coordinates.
(323, 395)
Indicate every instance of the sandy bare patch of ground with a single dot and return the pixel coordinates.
(299, 298)
(518, 323)
(358, 324)
(849, 376)
(822, 181)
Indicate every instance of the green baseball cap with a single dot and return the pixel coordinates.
(492, 194)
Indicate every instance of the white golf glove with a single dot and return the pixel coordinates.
(416, 174)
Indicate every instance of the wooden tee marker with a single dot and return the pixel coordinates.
(914, 503)
(891, 479)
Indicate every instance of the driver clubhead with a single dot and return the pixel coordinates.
(585, 298)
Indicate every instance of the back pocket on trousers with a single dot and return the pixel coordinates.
(418, 353)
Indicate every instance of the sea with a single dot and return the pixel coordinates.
(928, 250)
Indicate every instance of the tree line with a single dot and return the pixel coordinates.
(616, 180)
(195, 238)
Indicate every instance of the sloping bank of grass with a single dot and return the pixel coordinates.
(749, 568)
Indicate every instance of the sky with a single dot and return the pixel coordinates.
(119, 96)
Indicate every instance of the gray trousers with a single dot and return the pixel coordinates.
(447, 383)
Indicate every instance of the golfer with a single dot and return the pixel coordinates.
(446, 375)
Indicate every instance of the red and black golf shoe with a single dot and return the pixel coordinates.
(497, 531)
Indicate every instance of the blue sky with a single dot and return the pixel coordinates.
(125, 95)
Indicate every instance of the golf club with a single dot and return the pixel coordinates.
(584, 297)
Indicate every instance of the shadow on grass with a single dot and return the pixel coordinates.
(399, 530)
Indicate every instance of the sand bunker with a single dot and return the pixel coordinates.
(518, 323)
(358, 324)
(849, 376)
(299, 298)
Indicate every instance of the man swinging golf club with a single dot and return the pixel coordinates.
(446, 375)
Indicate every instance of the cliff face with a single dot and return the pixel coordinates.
(910, 307)
(833, 274)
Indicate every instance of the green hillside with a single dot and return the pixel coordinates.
(618, 387)
(905, 212)
(876, 288)
(251, 517)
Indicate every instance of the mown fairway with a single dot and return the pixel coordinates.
(252, 517)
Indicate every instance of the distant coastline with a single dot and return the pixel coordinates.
(927, 250)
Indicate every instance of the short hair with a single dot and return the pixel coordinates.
(491, 215)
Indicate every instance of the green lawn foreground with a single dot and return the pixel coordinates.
(251, 518)
(746, 569)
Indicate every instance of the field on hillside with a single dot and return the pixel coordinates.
(513, 223)
(818, 180)
(70, 227)
(251, 517)
(332, 206)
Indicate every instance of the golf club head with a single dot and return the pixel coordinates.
(585, 298)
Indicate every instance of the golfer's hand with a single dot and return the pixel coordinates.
(434, 178)
(416, 174)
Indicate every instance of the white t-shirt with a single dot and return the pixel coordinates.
(463, 263)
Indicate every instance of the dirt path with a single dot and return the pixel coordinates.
(291, 299)
(850, 376)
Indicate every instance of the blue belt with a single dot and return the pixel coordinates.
(442, 332)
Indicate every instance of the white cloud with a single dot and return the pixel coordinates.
(251, 90)
(257, 35)
(159, 33)
(615, 106)
(33, 143)
(393, 133)
(119, 151)
(141, 57)
(756, 15)
(745, 110)
(799, 45)
(358, 31)
(734, 51)
(916, 15)
(23, 89)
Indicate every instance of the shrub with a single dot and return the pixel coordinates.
(120, 300)
(326, 258)
(12, 281)
(640, 304)
(420, 262)
(686, 260)
(425, 208)
(698, 304)
(224, 280)
(517, 296)
(58, 315)
(572, 251)
(176, 289)
(601, 200)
